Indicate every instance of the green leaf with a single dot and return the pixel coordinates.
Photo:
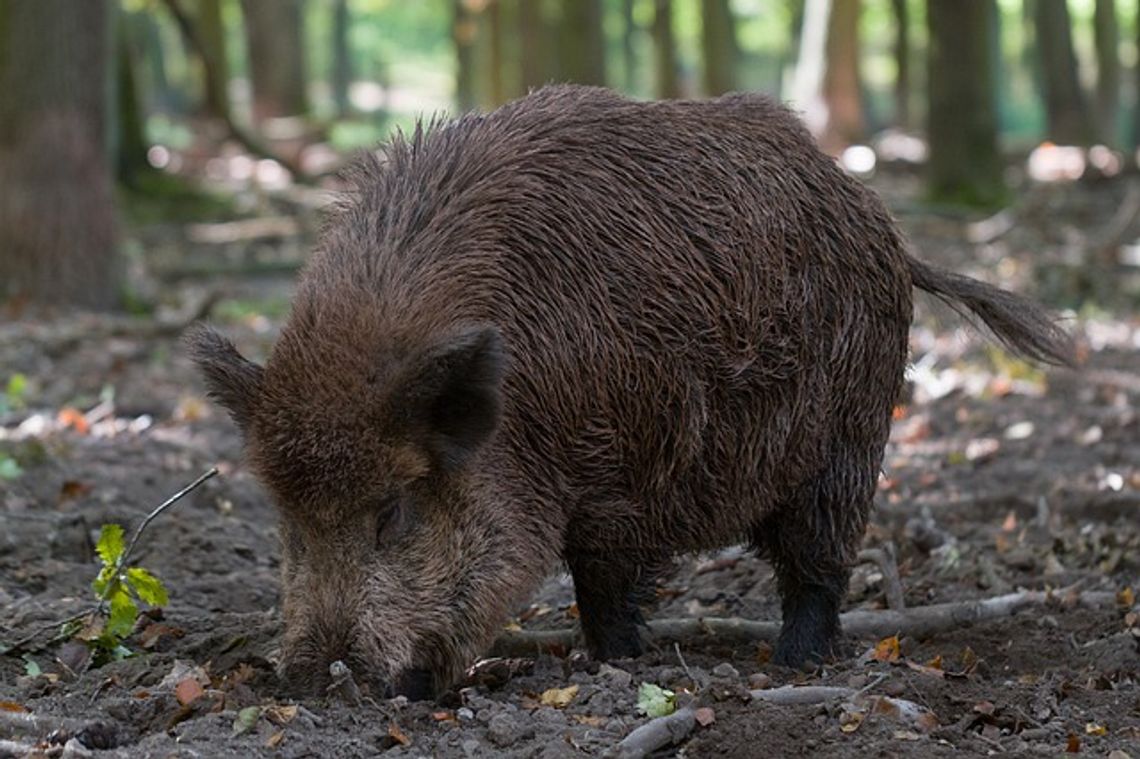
(17, 386)
(10, 469)
(655, 701)
(124, 611)
(149, 587)
(31, 668)
(110, 545)
(246, 719)
(105, 582)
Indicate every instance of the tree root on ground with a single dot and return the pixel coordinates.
(917, 621)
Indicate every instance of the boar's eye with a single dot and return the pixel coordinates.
(390, 514)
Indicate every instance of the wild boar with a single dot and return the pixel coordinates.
(588, 332)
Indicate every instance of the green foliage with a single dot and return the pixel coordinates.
(14, 394)
(655, 701)
(10, 469)
(119, 590)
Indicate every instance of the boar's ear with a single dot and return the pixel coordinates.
(232, 380)
(450, 395)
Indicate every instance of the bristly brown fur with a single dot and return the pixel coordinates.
(581, 329)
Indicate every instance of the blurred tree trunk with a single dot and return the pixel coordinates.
(130, 124)
(57, 213)
(583, 42)
(212, 34)
(628, 58)
(902, 63)
(464, 31)
(1107, 32)
(718, 43)
(965, 165)
(497, 89)
(538, 44)
(1065, 109)
(342, 58)
(665, 51)
(276, 57)
(841, 90)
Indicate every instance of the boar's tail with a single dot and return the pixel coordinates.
(1021, 325)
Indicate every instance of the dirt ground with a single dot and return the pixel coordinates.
(999, 477)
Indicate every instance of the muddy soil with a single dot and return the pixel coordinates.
(998, 478)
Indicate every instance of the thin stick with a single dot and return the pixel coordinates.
(213, 471)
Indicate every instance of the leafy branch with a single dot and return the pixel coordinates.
(119, 587)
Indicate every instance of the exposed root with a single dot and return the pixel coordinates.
(917, 621)
(884, 558)
(656, 734)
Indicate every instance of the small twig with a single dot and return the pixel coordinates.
(684, 665)
(884, 559)
(19, 645)
(802, 694)
(882, 676)
(26, 723)
(213, 471)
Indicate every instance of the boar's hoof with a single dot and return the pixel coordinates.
(415, 684)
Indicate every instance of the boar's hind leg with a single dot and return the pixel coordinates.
(608, 593)
(810, 542)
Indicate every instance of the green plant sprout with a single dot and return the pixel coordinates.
(120, 587)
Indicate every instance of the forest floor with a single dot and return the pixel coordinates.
(999, 478)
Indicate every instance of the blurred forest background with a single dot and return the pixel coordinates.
(117, 114)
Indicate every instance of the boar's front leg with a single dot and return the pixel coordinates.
(608, 591)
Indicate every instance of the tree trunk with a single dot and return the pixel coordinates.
(276, 57)
(718, 42)
(1066, 114)
(342, 58)
(538, 45)
(212, 33)
(464, 31)
(1107, 70)
(57, 214)
(841, 91)
(583, 42)
(965, 166)
(902, 63)
(665, 51)
(130, 143)
(628, 58)
(497, 89)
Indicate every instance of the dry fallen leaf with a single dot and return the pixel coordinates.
(444, 715)
(1073, 744)
(705, 716)
(1125, 597)
(559, 698)
(591, 720)
(275, 740)
(188, 691)
(1010, 523)
(281, 714)
(11, 706)
(926, 669)
(887, 649)
(73, 418)
(985, 707)
(1092, 728)
(396, 734)
(849, 721)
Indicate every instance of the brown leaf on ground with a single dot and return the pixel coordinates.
(705, 716)
(1073, 744)
(887, 650)
(188, 691)
(396, 734)
(73, 418)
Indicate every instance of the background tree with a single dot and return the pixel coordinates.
(665, 51)
(964, 165)
(212, 35)
(276, 57)
(902, 63)
(841, 87)
(1066, 114)
(57, 217)
(583, 48)
(718, 47)
(538, 44)
(342, 57)
(1107, 37)
(464, 33)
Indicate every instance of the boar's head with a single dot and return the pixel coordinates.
(398, 556)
